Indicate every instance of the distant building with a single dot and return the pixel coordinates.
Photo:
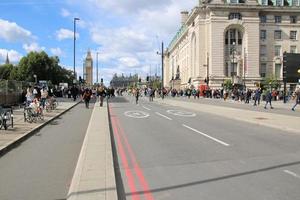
(238, 40)
(88, 69)
(124, 81)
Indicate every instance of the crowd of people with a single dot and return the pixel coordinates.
(253, 96)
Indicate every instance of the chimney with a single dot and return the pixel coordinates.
(184, 17)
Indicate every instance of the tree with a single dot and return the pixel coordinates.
(5, 71)
(45, 67)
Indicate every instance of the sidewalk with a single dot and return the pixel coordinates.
(94, 176)
(22, 130)
(278, 121)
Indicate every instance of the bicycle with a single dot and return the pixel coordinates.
(6, 118)
(33, 112)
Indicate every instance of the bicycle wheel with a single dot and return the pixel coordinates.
(1, 122)
(5, 124)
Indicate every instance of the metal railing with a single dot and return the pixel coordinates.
(11, 91)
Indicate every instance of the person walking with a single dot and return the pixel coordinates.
(257, 95)
(248, 96)
(137, 94)
(87, 97)
(74, 92)
(44, 96)
(268, 99)
(297, 94)
(101, 94)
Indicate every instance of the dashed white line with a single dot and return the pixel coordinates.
(146, 108)
(163, 115)
(210, 137)
(291, 173)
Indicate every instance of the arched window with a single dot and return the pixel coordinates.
(233, 36)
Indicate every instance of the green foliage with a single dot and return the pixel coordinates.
(270, 83)
(156, 84)
(5, 71)
(39, 64)
(227, 84)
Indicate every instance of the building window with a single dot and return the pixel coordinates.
(277, 19)
(264, 2)
(237, 1)
(293, 35)
(278, 2)
(226, 70)
(263, 69)
(293, 19)
(235, 16)
(263, 34)
(277, 35)
(233, 69)
(295, 2)
(277, 50)
(277, 71)
(293, 49)
(263, 19)
(263, 50)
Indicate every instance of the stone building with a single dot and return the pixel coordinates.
(88, 69)
(239, 40)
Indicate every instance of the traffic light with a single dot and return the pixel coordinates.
(284, 68)
(80, 79)
(147, 78)
(101, 80)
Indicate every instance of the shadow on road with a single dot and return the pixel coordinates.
(213, 179)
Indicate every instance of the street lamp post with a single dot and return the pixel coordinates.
(162, 64)
(35, 78)
(233, 62)
(75, 19)
(97, 66)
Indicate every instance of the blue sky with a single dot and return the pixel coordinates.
(126, 33)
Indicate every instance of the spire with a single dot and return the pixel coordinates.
(89, 54)
(7, 59)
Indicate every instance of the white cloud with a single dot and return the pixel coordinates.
(63, 34)
(130, 45)
(65, 13)
(129, 62)
(33, 47)
(11, 32)
(56, 51)
(13, 56)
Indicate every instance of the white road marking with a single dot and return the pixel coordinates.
(291, 173)
(210, 137)
(181, 113)
(136, 114)
(146, 108)
(163, 115)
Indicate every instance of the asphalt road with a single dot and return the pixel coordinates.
(282, 109)
(167, 152)
(42, 167)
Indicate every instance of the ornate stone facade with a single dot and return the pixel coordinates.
(88, 69)
(238, 40)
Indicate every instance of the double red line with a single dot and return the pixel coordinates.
(123, 144)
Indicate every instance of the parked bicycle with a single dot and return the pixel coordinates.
(33, 112)
(51, 104)
(6, 118)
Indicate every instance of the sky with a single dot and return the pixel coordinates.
(127, 34)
